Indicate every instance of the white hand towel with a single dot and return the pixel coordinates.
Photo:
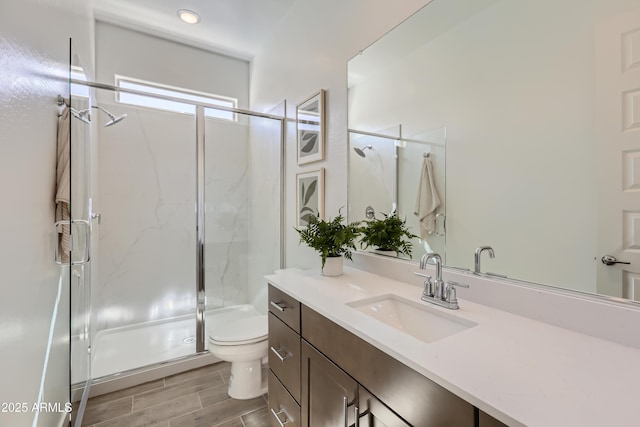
(63, 185)
(427, 200)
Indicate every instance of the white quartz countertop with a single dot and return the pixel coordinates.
(520, 371)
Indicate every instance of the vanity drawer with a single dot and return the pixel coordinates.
(284, 355)
(283, 409)
(285, 308)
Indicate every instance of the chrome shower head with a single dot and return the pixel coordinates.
(112, 119)
(360, 151)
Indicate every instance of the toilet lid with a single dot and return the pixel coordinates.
(250, 329)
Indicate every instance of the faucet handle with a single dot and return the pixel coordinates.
(450, 291)
(428, 285)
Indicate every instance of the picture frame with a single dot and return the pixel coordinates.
(310, 124)
(309, 196)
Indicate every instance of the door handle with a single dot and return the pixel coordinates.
(610, 260)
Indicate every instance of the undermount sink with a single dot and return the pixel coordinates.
(411, 317)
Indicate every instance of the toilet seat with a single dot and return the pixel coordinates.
(240, 332)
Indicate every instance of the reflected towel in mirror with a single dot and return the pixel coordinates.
(427, 200)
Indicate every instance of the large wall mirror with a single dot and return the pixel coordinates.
(541, 106)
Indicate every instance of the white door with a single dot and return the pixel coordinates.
(618, 133)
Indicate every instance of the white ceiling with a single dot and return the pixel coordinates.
(234, 27)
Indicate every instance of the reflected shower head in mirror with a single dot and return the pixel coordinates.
(82, 115)
(112, 119)
(360, 151)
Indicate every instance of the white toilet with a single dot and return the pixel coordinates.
(239, 334)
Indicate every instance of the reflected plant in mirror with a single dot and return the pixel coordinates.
(541, 139)
(389, 234)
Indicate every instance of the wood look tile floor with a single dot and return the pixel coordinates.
(196, 398)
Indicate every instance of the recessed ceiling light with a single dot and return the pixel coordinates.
(188, 16)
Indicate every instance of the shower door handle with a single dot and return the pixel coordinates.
(440, 232)
(86, 254)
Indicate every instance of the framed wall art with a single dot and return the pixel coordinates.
(309, 196)
(310, 123)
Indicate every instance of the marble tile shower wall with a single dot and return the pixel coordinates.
(226, 213)
(264, 208)
(146, 195)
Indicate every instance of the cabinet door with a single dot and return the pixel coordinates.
(328, 393)
(373, 413)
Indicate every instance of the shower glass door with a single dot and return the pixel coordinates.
(242, 160)
(80, 269)
(144, 295)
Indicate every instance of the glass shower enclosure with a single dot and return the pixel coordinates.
(184, 215)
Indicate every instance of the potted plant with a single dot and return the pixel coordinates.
(332, 239)
(390, 234)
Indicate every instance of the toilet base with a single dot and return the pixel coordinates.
(246, 380)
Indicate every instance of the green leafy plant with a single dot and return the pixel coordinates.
(330, 238)
(388, 234)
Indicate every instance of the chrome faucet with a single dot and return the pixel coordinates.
(436, 286)
(438, 291)
(478, 254)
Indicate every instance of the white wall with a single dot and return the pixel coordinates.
(307, 52)
(133, 54)
(34, 59)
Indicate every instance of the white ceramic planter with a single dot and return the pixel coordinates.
(333, 266)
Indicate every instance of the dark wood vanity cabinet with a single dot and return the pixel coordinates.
(330, 397)
(323, 375)
(328, 392)
(284, 360)
(374, 413)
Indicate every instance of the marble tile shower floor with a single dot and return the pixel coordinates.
(196, 398)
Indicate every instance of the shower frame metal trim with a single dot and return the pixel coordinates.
(200, 234)
(171, 98)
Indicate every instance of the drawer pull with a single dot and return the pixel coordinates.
(280, 306)
(277, 415)
(277, 351)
